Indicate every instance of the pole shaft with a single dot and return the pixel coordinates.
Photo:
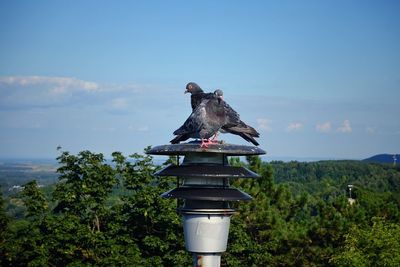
(206, 260)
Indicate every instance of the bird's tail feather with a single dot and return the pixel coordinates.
(244, 134)
(249, 138)
(241, 127)
(179, 138)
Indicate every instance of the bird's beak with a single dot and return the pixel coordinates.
(186, 91)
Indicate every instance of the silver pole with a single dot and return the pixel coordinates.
(206, 260)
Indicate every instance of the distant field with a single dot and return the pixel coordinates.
(16, 173)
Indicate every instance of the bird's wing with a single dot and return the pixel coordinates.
(193, 123)
(232, 117)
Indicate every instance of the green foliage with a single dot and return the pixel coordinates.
(34, 200)
(376, 245)
(3, 228)
(3, 218)
(334, 176)
(138, 228)
(85, 183)
(279, 228)
(111, 214)
(151, 220)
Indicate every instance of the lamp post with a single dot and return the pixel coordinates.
(350, 186)
(350, 199)
(203, 185)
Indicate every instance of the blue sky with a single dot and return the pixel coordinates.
(318, 79)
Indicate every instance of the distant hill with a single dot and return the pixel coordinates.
(383, 158)
(333, 177)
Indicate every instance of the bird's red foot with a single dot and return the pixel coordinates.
(206, 142)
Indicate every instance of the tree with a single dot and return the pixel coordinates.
(26, 244)
(152, 221)
(85, 183)
(376, 245)
(3, 228)
(34, 200)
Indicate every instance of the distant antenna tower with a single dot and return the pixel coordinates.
(394, 160)
(350, 186)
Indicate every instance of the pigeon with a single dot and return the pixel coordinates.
(205, 121)
(240, 128)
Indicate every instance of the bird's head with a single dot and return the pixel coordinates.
(193, 88)
(219, 94)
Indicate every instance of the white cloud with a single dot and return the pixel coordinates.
(295, 126)
(58, 82)
(42, 91)
(18, 92)
(324, 127)
(264, 124)
(345, 128)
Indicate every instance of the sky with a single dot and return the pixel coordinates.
(317, 79)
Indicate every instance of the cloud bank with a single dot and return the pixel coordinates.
(345, 128)
(295, 126)
(24, 92)
(63, 83)
(39, 91)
